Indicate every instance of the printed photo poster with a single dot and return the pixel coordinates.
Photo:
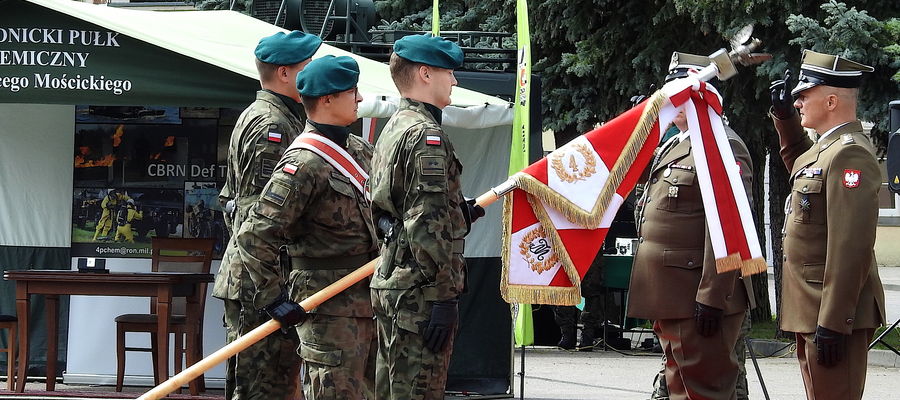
(145, 171)
(203, 216)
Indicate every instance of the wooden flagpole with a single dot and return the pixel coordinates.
(267, 328)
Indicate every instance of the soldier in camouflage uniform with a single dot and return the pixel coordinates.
(316, 218)
(418, 202)
(269, 368)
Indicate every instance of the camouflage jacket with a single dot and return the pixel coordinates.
(416, 179)
(261, 135)
(320, 220)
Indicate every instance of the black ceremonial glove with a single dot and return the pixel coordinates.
(439, 329)
(829, 346)
(782, 100)
(708, 319)
(286, 311)
(475, 211)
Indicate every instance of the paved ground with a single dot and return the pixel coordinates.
(561, 375)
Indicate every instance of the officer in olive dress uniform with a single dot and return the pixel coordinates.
(679, 67)
(697, 312)
(417, 199)
(262, 133)
(832, 297)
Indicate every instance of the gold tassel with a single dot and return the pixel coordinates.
(754, 266)
(732, 262)
(533, 294)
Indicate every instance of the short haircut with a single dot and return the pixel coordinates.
(309, 103)
(266, 71)
(403, 71)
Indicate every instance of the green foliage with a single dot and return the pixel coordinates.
(858, 36)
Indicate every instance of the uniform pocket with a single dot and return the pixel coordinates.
(410, 321)
(814, 273)
(808, 201)
(341, 184)
(311, 352)
(683, 258)
(678, 194)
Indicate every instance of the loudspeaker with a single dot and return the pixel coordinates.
(893, 147)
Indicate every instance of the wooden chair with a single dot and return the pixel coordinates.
(9, 323)
(170, 255)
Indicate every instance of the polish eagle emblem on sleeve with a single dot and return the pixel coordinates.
(851, 178)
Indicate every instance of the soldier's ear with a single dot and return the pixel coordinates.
(424, 73)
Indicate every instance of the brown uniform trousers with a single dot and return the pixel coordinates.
(830, 277)
(675, 268)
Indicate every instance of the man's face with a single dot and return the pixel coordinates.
(813, 106)
(680, 121)
(442, 83)
(345, 105)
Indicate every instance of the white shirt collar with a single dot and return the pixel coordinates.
(831, 130)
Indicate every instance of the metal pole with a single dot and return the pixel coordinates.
(755, 365)
(522, 376)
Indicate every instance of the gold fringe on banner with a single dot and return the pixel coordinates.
(732, 262)
(535, 294)
(576, 214)
(754, 266)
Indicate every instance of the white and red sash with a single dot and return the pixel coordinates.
(335, 155)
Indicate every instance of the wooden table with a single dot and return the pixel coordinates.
(53, 283)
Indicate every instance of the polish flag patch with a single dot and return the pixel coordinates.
(290, 169)
(851, 178)
(433, 140)
(274, 137)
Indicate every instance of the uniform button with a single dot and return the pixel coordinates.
(654, 180)
(728, 297)
(690, 263)
(784, 258)
(674, 180)
(805, 189)
(641, 239)
(648, 201)
(643, 219)
(849, 321)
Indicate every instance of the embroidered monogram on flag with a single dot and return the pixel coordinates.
(579, 165)
(851, 178)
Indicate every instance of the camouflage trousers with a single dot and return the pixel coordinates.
(661, 392)
(338, 357)
(407, 370)
(270, 368)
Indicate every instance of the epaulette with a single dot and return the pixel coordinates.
(847, 139)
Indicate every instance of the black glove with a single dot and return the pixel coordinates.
(782, 100)
(286, 311)
(829, 346)
(708, 319)
(475, 211)
(439, 329)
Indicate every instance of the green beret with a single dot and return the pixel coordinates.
(430, 50)
(287, 49)
(328, 75)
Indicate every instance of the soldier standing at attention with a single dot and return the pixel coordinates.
(269, 368)
(418, 203)
(697, 312)
(833, 298)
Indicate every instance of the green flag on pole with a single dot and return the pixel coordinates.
(518, 152)
(435, 19)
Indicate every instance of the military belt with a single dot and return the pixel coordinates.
(346, 262)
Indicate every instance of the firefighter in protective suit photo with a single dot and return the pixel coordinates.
(127, 214)
(109, 204)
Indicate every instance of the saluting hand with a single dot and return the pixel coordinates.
(782, 100)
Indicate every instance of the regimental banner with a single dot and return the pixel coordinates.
(518, 153)
(557, 219)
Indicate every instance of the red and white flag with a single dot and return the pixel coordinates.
(557, 219)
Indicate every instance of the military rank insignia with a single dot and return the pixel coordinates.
(851, 178)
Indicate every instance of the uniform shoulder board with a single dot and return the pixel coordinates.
(847, 139)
